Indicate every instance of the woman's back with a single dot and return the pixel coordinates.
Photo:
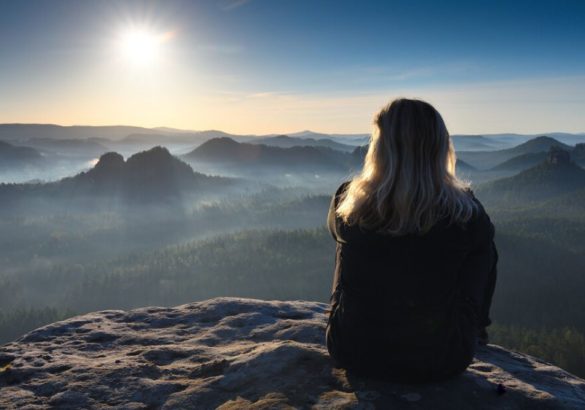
(415, 259)
(408, 307)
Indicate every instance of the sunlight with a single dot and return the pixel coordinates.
(141, 47)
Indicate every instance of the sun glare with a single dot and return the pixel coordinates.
(141, 47)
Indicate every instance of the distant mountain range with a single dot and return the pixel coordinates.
(162, 135)
(194, 138)
(463, 166)
(154, 175)
(16, 157)
(285, 141)
(12, 132)
(556, 175)
(508, 140)
(62, 148)
(149, 176)
(490, 159)
(86, 147)
(475, 143)
(228, 152)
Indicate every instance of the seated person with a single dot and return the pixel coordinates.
(416, 260)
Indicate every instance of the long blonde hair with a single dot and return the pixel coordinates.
(408, 180)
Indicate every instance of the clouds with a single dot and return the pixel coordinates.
(532, 105)
(529, 105)
(228, 5)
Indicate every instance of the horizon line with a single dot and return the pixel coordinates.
(162, 127)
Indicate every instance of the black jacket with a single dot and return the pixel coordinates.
(409, 307)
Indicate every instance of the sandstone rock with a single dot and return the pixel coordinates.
(233, 353)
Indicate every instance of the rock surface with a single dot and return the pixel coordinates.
(233, 353)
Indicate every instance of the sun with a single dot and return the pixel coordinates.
(140, 46)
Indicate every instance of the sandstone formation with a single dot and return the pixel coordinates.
(233, 353)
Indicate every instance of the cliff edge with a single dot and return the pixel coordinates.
(233, 353)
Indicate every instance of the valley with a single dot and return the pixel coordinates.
(152, 221)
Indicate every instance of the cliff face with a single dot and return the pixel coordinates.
(242, 353)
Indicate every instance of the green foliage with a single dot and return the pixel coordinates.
(256, 263)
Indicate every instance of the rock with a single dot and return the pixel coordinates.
(233, 353)
(557, 155)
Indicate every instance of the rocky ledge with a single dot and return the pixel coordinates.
(243, 353)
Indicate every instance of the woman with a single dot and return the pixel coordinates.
(416, 260)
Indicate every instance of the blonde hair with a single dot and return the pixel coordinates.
(408, 180)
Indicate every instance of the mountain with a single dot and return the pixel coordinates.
(509, 140)
(236, 353)
(475, 143)
(228, 152)
(14, 158)
(490, 159)
(284, 141)
(355, 139)
(13, 132)
(567, 138)
(578, 153)
(525, 161)
(144, 141)
(192, 138)
(149, 176)
(85, 147)
(554, 176)
(521, 162)
(538, 144)
(154, 174)
(463, 166)
(359, 153)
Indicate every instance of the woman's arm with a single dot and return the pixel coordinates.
(479, 270)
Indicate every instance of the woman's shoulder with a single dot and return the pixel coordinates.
(332, 218)
(480, 221)
(339, 193)
(478, 209)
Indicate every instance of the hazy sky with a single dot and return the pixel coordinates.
(263, 66)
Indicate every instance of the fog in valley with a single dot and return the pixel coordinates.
(119, 217)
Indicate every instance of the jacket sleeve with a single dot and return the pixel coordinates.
(332, 226)
(479, 269)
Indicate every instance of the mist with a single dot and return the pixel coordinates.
(123, 223)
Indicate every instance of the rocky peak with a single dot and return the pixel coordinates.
(154, 155)
(558, 156)
(110, 161)
(233, 353)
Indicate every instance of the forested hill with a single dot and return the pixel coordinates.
(556, 175)
(285, 141)
(231, 152)
(14, 156)
(153, 175)
(490, 159)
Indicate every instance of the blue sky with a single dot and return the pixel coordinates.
(263, 66)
